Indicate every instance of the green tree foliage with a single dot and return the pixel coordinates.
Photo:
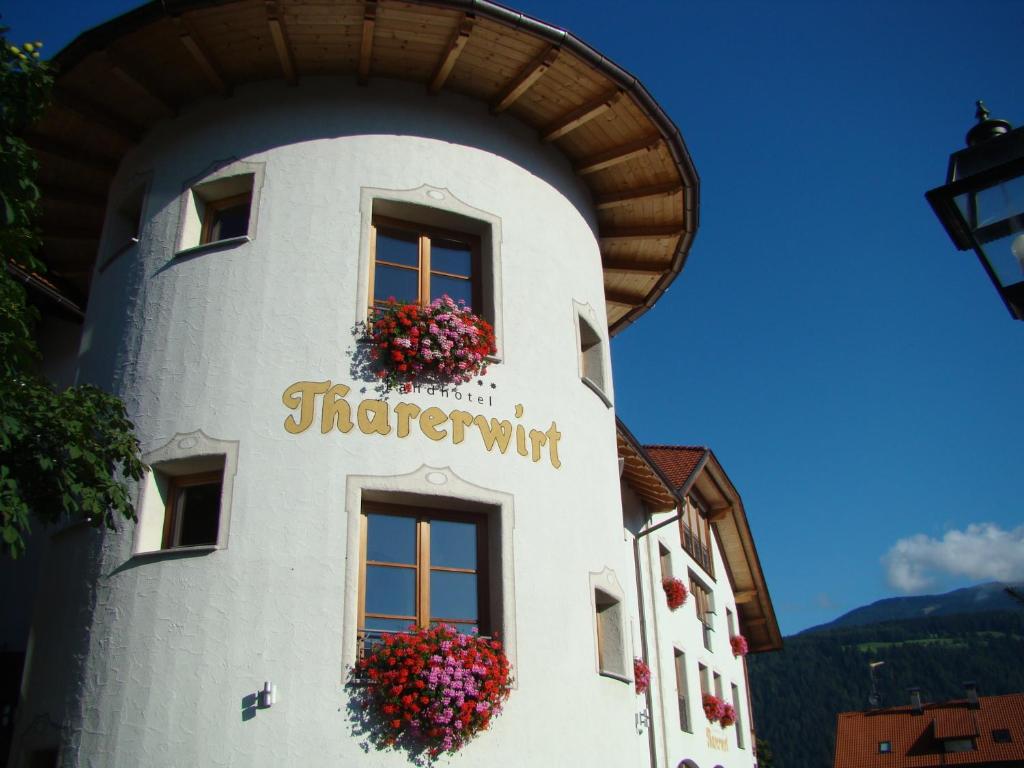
(799, 691)
(61, 453)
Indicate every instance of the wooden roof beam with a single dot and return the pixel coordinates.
(652, 192)
(452, 53)
(279, 36)
(647, 232)
(200, 55)
(522, 82)
(622, 298)
(745, 596)
(633, 267)
(366, 44)
(73, 154)
(94, 113)
(129, 74)
(68, 196)
(618, 155)
(83, 234)
(578, 117)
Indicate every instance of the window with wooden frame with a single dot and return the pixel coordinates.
(221, 210)
(422, 567)
(611, 640)
(665, 559)
(682, 691)
(416, 263)
(695, 534)
(705, 607)
(192, 518)
(739, 716)
(226, 218)
(705, 680)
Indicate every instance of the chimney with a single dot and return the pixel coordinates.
(915, 701)
(971, 688)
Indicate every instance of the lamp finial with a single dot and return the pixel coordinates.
(987, 128)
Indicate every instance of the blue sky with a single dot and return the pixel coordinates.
(858, 377)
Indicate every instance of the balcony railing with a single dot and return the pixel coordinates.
(696, 549)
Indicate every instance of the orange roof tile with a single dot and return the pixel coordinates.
(677, 461)
(916, 740)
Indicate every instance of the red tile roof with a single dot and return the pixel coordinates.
(677, 461)
(917, 740)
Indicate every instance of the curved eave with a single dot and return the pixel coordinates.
(118, 80)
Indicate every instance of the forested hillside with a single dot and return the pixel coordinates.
(798, 692)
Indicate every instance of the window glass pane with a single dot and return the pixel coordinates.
(395, 282)
(199, 507)
(398, 247)
(232, 221)
(452, 286)
(450, 256)
(452, 544)
(452, 595)
(391, 539)
(387, 625)
(390, 590)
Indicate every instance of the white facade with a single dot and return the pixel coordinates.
(144, 654)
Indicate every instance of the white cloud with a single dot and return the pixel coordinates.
(982, 551)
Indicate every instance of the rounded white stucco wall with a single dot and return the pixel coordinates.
(210, 341)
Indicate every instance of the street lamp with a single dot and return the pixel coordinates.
(981, 204)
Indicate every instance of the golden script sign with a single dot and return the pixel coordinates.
(378, 417)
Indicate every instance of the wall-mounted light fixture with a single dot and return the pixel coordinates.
(268, 696)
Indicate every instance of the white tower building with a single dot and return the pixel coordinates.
(230, 187)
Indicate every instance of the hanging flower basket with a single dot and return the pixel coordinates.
(442, 343)
(431, 689)
(728, 716)
(714, 708)
(641, 676)
(739, 645)
(675, 592)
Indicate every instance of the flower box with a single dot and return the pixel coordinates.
(429, 690)
(739, 645)
(675, 592)
(714, 707)
(442, 343)
(641, 676)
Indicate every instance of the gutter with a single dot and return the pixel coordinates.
(44, 288)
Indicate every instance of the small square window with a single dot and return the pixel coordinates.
(185, 499)
(884, 747)
(1002, 736)
(221, 210)
(192, 518)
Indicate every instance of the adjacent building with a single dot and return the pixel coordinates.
(230, 188)
(977, 731)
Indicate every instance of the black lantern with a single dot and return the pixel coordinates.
(982, 203)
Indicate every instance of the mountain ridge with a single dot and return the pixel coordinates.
(990, 596)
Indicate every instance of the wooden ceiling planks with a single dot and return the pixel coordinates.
(151, 68)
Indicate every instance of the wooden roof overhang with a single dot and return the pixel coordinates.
(117, 81)
(642, 474)
(726, 513)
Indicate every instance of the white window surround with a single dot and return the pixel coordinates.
(611, 649)
(184, 454)
(438, 488)
(229, 178)
(435, 207)
(592, 352)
